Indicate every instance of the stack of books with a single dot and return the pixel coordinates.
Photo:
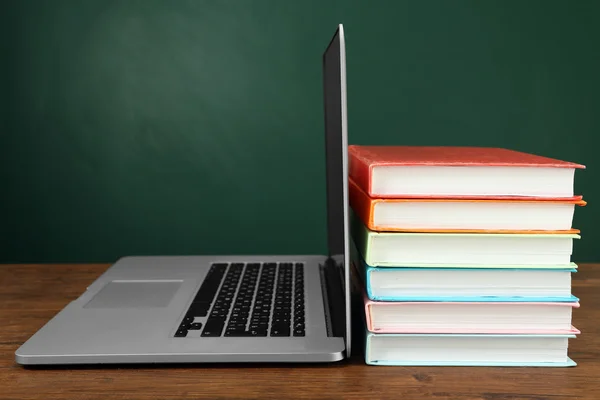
(463, 255)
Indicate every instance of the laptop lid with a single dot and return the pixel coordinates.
(336, 148)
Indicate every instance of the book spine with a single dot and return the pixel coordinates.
(361, 237)
(369, 288)
(360, 172)
(361, 204)
(368, 316)
(367, 348)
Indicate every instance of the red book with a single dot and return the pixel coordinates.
(459, 172)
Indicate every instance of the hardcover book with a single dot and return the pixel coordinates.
(396, 249)
(466, 285)
(512, 350)
(469, 317)
(459, 172)
(463, 215)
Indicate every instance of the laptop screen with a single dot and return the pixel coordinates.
(336, 143)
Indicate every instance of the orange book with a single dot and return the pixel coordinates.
(463, 215)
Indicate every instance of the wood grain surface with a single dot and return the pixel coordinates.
(32, 294)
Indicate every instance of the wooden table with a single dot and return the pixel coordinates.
(32, 294)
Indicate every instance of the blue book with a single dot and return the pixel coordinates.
(468, 350)
(465, 284)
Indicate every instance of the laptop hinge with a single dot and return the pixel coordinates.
(333, 297)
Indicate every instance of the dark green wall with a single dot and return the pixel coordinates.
(187, 127)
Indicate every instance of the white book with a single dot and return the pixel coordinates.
(468, 350)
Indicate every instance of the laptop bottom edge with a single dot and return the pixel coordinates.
(335, 354)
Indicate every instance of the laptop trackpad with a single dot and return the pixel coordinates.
(135, 294)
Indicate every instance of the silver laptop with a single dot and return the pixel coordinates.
(197, 309)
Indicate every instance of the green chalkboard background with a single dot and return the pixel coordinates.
(190, 127)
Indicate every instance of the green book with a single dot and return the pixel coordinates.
(463, 250)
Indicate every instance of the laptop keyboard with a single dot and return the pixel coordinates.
(248, 300)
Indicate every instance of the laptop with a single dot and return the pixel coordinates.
(219, 309)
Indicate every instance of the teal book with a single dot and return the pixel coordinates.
(454, 284)
(464, 250)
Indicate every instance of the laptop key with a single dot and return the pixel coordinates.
(280, 332)
(258, 332)
(181, 333)
(199, 309)
(251, 333)
(213, 327)
(211, 283)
